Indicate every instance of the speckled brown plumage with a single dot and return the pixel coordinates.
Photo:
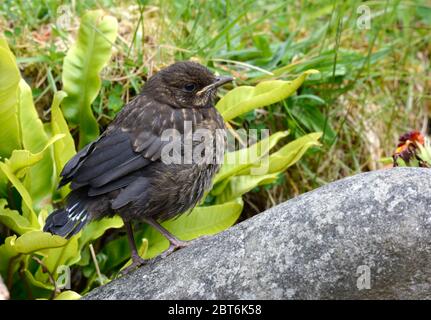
(122, 171)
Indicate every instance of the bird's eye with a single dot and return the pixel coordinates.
(190, 87)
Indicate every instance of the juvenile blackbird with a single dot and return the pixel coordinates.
(122, 172)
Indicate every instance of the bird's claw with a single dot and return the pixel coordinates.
(178, 244)
(175, 245)
(137, 262)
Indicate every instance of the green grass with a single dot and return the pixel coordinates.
(374, 84)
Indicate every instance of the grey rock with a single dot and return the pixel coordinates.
(324, 244)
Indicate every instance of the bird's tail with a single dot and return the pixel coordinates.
(70, 220)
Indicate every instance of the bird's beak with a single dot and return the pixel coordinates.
(222, 80)
(219, 81)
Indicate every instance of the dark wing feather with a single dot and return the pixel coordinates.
(131, 165)
(104, 159)
(133, 191)
(122, 154)
(114, 185)
(73, 164)
(108, 162)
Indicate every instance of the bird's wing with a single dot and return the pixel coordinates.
(130, 144)
(151, 145)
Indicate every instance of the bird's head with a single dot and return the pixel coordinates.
(185, 84)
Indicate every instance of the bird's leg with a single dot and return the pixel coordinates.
(174, 242)
(137, 261)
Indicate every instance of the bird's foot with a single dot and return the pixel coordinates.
(175, 245)
(137, 261)
(178, 244)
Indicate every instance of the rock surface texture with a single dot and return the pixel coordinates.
(364, 237)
